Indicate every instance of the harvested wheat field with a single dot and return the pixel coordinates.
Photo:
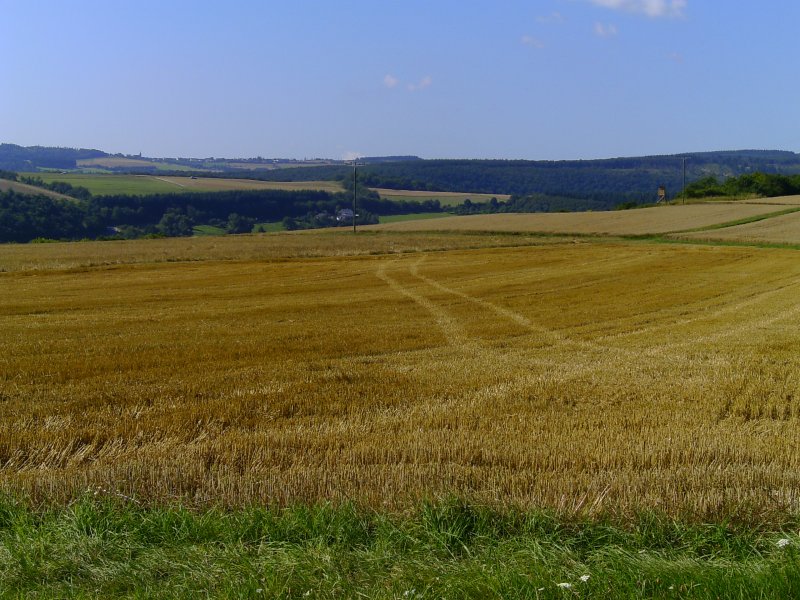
(776, 200)
(781, 229)
(591, 377)
(656, 220)
(274, 246)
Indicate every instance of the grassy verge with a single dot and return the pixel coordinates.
(451, 549)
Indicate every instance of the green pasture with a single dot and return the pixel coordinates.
(100, 184)
(207, 230)
(268, 227)
(445, 198)
(411, 217)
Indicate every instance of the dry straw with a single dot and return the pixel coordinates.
(580, 377)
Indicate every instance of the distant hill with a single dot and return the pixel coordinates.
(554, 185)
(570, 184)
(33, 158)
(19, 158)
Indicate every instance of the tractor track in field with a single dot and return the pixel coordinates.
(457, 338)
(703, 315)
(449, 324)
(452, 332)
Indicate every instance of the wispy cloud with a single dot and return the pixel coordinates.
(553, 17)
(528, 40)
(423, 83)
(651, 8)
(390, 81)
(605, 30)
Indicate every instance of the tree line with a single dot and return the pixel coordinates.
(768, 185)
(24, 218)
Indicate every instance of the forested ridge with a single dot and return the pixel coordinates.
(534, 186)
(20, 158)
(604, 182)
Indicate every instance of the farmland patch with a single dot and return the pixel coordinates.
(590, 377)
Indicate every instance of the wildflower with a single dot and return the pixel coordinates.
(565, 585)
(584, 578)
(782, 542)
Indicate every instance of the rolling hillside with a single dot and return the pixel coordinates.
(31, 190)
(645, 221)
(111, 184)
(577, 184)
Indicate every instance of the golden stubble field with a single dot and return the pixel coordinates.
(781, 229)
(584, 377)
(646, 221)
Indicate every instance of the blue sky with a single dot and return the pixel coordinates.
(537, 79)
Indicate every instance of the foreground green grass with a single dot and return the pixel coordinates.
(99, 549)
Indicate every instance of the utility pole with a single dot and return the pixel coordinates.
(355, 178)
(356, 164)
(684, 180)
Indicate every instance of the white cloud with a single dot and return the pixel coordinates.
(423, 83)
(605, 30)
(390, 81)
(528, 40)
(351, 155)
(651, 8)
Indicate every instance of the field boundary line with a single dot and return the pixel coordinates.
(180, 185)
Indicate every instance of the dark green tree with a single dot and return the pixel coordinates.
(239, 224)
(175, 223)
